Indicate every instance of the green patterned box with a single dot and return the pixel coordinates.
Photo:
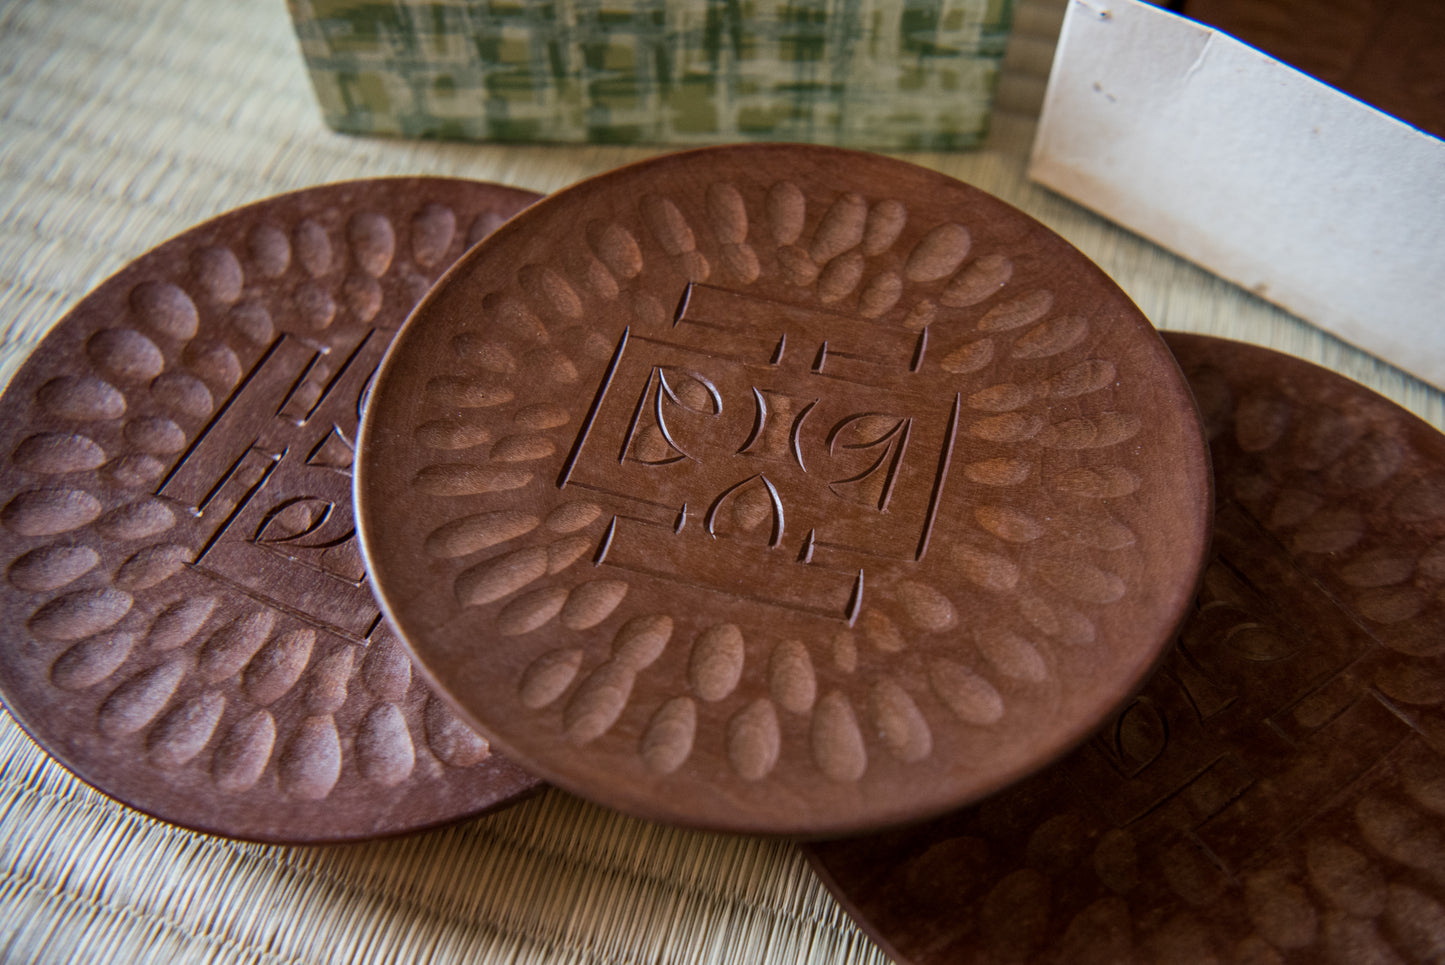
(882, 74)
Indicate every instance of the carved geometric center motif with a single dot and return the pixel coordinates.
(766, 451)
(287, 429)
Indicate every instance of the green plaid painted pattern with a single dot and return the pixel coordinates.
(883, 74)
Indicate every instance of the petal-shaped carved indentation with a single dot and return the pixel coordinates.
(312, 246)
(642, 640)
(269, 250)
(327, 683)
(977, 281)
(53, 453)
(1369, 463)
(386, 669)
(1084, 377)
(384, 751)
(501, 576)
(1346, 878)
(899, 722)
(219, 274)
(542, 415)
(880, 294)
(1001, 471)
(243, 752)
(1332, 531)
(252, 321)
(1415, 922)
(972, 699)
(155, 435)
(231, 647)
(183, 393)
(616, 248)
(797, 266)
(938, 254)
(1004, 397)
(522, 448)
(464, 393)
(470, 534)
(125, 354)
(926, 607)
(885, 223)
(51, 567)
(549, 676)
(372, 240)
(213, 361)
(991, 571)
(363, 296)
(91, 661)
(48, 512)
(479, 349)
(181, 734)
(134, 471)
(716, 663)
(791, 679)
(840, 277)
(452, 434)
(313, 305)
(80, 614)
(164, 309)
(546, 288)
(1107, 429)
(137, 701)
(570, 517)
(787, 209)
(1017, 312)
(527, 613)
(452, 741)
(565, 552)
(152, 566)
(1280, 909)
(83, 398)
(276, 667)
(597, 703)
(1009, 524)
(835, 739)
(310, 762)
(668, 225)
(432, 230)
(178, 623)
(1012, 655)
(969, 357)
(465, 479)
(840, 230)
(667, 742)
(753, 741)
(1051, 337)
(1008, 427)
(590, 603)
(727, 213)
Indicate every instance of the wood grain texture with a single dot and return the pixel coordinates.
(123, 124)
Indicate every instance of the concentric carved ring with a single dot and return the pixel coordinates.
(782, 489)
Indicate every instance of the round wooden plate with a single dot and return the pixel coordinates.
(1276, 792)
(187, 625)
(781, 489)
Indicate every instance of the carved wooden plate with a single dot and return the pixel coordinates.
(187, 625)
(782, 489)
(1276, 792)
